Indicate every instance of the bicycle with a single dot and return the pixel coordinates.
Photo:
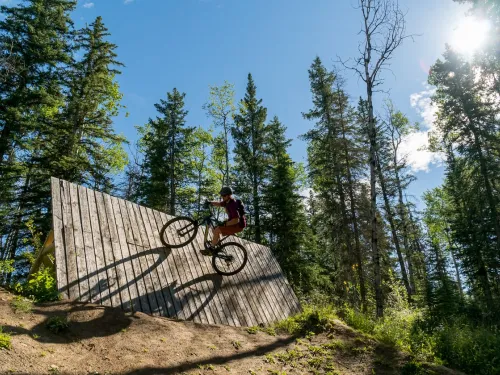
(185, 229)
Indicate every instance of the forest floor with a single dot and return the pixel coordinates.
(101, 340)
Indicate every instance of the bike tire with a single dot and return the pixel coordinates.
(172, 229)
(242, 256)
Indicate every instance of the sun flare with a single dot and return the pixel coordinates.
(470, 35)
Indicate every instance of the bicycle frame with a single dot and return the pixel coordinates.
(207, 222)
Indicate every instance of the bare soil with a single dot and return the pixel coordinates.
(103, 340)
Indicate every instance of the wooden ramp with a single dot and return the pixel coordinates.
(108, 251)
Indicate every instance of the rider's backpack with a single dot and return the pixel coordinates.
(241, 211)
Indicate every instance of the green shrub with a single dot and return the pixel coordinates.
(5, 342)
(41, 287)
(474, 350)
(6, 266)
(358, 321)
(57, 324)
(413, 368)
(395, 328)
(21, 304)
(311, 319)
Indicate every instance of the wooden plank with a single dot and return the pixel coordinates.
(232, 305)
(248, 289)
(155, 297)
(264, 304)
(183, 292)
(267, 300)
(281, 284)
(240, 291)
(130, 274)
(155, 250)
(121, 272)
(101, 268)
(188, 278)
(178, 295)
(60, 249)
(69, 240)
(152, 263)
(142, 277)
(81, 262)
(214, 292)
(199, 283)
(164, 268)
(225, 292)
(268, 279)
(109, 259)
(285, 286)
(275, 279)
(88, 243)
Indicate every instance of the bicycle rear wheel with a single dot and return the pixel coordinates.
(230, 259)
(178, 232)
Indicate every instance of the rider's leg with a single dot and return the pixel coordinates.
(216, 236)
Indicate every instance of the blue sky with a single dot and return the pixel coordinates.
(189, 44)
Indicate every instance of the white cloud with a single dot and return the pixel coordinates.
(88, 5)
(421, 101)
(413, 146)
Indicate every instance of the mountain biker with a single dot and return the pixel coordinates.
(235, 222)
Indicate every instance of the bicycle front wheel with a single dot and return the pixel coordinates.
(230, 259)
(178, 232)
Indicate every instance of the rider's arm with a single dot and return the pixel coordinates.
(218, 204)
(233, 221)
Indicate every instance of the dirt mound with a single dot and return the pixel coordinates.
(101, 340)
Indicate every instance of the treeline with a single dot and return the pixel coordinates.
(354, 238)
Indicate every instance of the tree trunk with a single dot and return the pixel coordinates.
(172, 174)
(379, 299)
(481, 266)
(487, 185)
(395, 237)
(457, 272)
(359, 257)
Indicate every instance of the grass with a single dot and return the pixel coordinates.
(21, 304)
(253, 330)
(207, 367)
(57, 324)
(5, 340)
(236, 344)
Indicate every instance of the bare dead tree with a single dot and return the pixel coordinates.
(383, 30)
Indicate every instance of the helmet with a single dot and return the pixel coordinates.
(226, 190)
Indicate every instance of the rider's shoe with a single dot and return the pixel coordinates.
(209, 249)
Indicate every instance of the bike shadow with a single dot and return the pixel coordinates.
(171, 296)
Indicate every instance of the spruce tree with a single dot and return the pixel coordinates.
(285, 218)
(167, 144)
(249, 135)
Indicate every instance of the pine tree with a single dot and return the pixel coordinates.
(35, 38)
(167, 144)
(467, 132)
(82, 146)
(285, 219)
(37, 35)
(334, 165)
(249, 135)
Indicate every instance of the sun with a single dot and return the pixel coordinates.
(470, 35)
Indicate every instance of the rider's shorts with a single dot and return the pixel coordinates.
(231, 229)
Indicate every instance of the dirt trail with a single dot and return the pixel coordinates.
(103, 340)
